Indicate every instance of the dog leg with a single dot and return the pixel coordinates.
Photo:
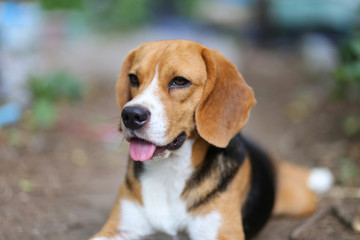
(126, 220)
(214, 227)
(297, 188)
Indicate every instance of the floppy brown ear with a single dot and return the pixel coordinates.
(123, 85)
(226, 101)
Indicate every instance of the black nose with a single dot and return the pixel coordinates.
(134, 117)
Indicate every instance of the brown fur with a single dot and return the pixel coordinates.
(226, 102)
(229, 203)
(232, 227)
(294, 198)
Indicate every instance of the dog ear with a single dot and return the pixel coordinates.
(226, 101)
(123, 85)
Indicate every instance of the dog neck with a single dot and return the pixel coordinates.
(177, 162)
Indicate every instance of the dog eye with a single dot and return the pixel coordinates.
(179, 82)
(134, 81)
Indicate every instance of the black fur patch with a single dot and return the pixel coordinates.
(227, 159)
(128, 183)
(138, 168)
(261, 198)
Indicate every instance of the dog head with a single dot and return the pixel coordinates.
(170, 90)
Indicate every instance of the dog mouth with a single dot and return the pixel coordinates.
(142, 150)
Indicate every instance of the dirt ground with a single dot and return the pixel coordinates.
(61, 183)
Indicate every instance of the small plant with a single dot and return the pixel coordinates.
(61, 4)
(47, 92)
(347, 75)
(348, 171)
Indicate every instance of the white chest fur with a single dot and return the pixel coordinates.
(163, 210)
(162, 184)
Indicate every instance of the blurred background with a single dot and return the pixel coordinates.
(62, 158)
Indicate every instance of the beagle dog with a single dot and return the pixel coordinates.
(190, 171)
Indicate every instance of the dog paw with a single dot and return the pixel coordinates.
(320, 180)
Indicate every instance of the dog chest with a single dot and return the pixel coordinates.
(162, 184)
(163, 210)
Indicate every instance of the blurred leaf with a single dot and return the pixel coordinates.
(351, 125)
(355, 47)
(39, 88)
(118, 14)
(55, 87)
(47, 91)
(26, 185)
(64, 87)
(44, 113)
(186, 7)
(61, 4)
(348, 171)
(347, 75)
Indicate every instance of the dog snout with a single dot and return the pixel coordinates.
(135, 117)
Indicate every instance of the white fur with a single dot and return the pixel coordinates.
(320, 180)
(155, 130)
(205, 227)
(162, 184)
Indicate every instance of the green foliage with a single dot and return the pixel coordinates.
(348, 171)
(49, 90)
(347, 75)
(56, 87)
(117, 14)
(61, 4)
(120, 15)
(351, 125)
(44, 113)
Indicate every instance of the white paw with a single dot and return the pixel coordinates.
(320, 180)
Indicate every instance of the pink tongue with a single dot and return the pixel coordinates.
(141, 150)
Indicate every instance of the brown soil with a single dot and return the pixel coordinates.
(61, 183)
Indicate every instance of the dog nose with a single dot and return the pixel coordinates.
(134, 117)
